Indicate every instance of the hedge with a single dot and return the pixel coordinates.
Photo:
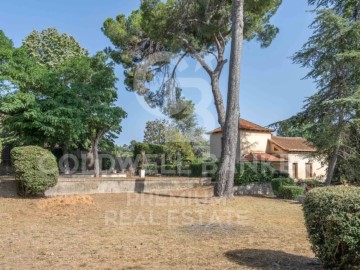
(196, 170)
(312, 183)
(290, 192)
(277, 183)
(332, 217)
(247, 173)
(281, 174)
(35, 168)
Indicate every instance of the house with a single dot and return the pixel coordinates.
(258, 144)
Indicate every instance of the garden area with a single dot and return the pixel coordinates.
(146, 227)
(106, 159)
(177, 230)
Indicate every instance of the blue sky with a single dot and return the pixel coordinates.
(271, 86)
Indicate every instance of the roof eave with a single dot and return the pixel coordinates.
(245, 129)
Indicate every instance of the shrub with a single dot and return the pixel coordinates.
(332, 217)
(35, 168)
(281, 174)
(312, 183)
(205, 169)
(290, 192)
(277, 183)
(152, 169)
(168, 169)
(196, 169)
(247, 173)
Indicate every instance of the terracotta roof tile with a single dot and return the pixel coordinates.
(293, 144)
(263, 157)
(246, 125)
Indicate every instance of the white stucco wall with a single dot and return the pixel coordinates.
(258, 142)
(255, 142)
(215, 144)
(319, 171)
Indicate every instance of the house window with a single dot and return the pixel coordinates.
(295, 170)
(275, 149)
(309, 170)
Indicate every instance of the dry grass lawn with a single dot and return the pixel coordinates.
(177, 230)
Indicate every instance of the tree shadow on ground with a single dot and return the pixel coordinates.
(271, 260)
(174, 196)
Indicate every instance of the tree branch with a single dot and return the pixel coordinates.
(196, 55)
(177, 64)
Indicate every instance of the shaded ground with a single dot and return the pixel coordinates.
(178, 230)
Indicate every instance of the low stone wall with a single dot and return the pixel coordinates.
(66, 186)
(254, 189)
(8, 187)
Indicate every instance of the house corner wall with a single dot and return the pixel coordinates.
(319, 170)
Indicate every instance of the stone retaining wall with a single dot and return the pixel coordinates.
(254, 189)
(111, 185)
(71, 186)
(8, 187)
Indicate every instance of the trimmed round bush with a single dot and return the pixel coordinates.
(277, 183)
(35, 168)
(291, 192)
(332, 217)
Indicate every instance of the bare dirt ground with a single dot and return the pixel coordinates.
(177, 230)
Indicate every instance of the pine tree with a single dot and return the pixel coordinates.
(333, 56)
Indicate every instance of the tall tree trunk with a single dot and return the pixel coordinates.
(332, 166)
(95, 148)
(219, 104)
(225, 177)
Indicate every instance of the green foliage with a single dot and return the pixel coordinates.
(176, 150)
(281, 174)
(332, 217)
(35, 168)
(43, 107)
(204, 168)
(121, 151)
(150, 149)
(60, 95)
(290, 192)
(196, 169)
(176, 146)
(94, 81)
(5, 41)
(175, 26)
(184, 119)
(348, 167)
(155, 131)
(277, 183)
(347, 8)
(313, 183)
(247, 173)
(6, 48)
(50, 48)
(332, 57)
